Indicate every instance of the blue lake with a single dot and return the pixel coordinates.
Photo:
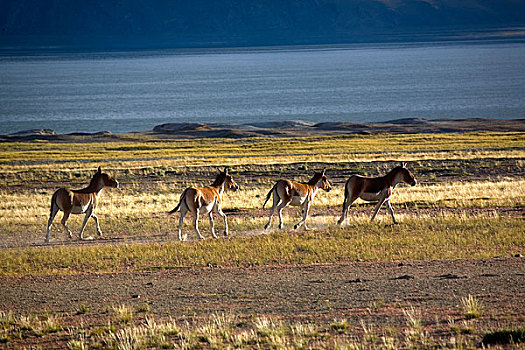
(136, 91)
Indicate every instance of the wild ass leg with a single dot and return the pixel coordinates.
(67, 213)
(385, 196)
(306, 208)
(210, 216)
(99, 231)
(280, 208)
(274, 205)
(86, 218)
(349, 200)
(196, 223)
(390, 210)
(221, 213)
(54, 211)
(183, 211)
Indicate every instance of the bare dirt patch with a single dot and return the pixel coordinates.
(375, 292)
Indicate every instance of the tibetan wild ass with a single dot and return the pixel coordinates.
(375, 189)
(80, 201)
(286, 192)
(207, 200)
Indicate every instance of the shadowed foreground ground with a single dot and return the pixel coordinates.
(295, 292)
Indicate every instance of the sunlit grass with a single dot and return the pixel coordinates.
(417, 238)
(136, 210)
(472, 307)
(260, 146)
(71, 161)
(439, 217)
(232, 331)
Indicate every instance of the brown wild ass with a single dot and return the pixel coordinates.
(80, 201)
(375, 189)
(206, 199)
(286, 192)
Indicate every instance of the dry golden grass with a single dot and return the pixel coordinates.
(33, 171)
(230, 331)
(32, 160)
(416, 238)
(31, 207)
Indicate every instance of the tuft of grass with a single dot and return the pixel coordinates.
(123, 313)
(78, 344)
(465, 327)
(143, 308)
(266, 327)
(24, 326)
(415, 335)
(472, 307)
(302, 330)
(6, 319)
(340, 325)
(51, 325)
(82, 309)
(504, 336)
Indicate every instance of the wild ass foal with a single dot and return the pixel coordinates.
(80, 201)
(206, 199)
(286, 192)
(375, 189)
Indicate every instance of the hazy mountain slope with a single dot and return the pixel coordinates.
(178, 23)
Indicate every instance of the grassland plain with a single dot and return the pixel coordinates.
(469, 204)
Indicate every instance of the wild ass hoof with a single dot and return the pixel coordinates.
(225, 233)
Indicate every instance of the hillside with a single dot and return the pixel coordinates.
(121, 24)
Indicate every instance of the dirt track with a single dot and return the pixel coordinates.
(320, 292)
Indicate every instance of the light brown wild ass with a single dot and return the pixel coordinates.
(206, 200)
(286, 192)
(80, 201)
(375, 189)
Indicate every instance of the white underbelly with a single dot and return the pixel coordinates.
(297, 201)
(207, 208)
(370, 197)
(78, 209)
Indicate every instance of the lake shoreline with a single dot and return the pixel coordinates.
(288, 128)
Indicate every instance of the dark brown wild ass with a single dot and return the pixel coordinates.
(375, 189)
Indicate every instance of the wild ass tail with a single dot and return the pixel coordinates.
(180, 202)
(269, 195)
(53, 202)
(346, 192)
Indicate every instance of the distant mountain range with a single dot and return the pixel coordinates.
(140, 24)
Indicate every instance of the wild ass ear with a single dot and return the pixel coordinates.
(226, 170)
(403, 164)
(323, 172)
(99, 171)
